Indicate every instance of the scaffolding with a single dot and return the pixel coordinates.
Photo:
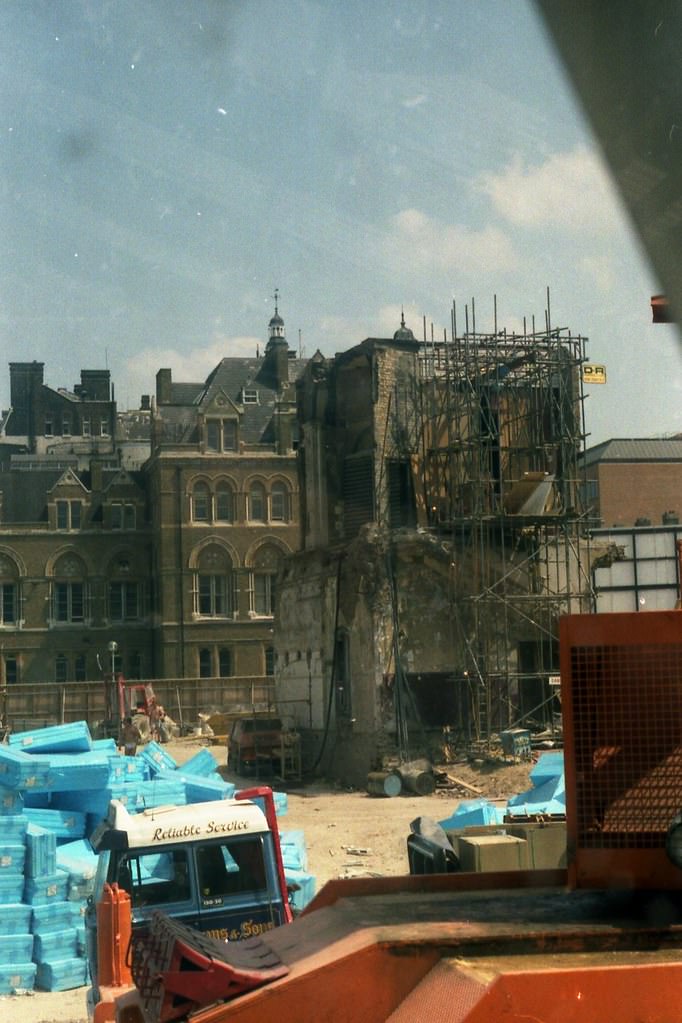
(494, 424)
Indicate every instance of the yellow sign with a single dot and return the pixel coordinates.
(593, 373)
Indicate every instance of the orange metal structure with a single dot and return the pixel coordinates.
(114, 931)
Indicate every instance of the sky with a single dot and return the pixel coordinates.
(167, 164)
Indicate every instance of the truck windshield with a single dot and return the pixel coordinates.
(231, 867)
(155, 878)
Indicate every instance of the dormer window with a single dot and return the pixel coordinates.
(249, 396)
(69, 514)
(221, 434)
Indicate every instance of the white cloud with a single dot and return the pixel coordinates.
(191, 366)
(569, 190)
(420, 239)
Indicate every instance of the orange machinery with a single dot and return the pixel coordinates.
(599, 941)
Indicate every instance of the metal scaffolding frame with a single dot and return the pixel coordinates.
(494, 425)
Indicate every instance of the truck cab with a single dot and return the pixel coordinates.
(215, 866)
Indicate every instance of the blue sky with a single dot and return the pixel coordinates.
(166, 165)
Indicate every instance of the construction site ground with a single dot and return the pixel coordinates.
(348, 833)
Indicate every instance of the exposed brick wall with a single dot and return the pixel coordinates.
(632, 490)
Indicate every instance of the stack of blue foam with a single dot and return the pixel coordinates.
(295, 859)
(55, 787)
(547, 795)
(472, 812)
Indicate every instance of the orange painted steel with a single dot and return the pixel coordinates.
(114, 930)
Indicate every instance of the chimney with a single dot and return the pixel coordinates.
(163, 387)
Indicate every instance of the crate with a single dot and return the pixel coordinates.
(484, 853)
(12, 857)
(61, 974)
(516, 743)
(17, 977)
(41, 851)
(20, 771)
(53, 916)
(41, 890)
(11, 889)
(51, 945)
(69, 738)
(15, 919)
(15, 948)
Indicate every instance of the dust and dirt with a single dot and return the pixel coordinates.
(348, 833)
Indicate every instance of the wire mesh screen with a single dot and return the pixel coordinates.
(627, 725)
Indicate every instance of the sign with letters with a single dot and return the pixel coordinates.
(594, 373)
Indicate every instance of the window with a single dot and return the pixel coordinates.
(279, 503)
(224, 662)
(79, 668)
(221, 434)
(68, 602)
(122, 516)
(66, 425)
(249, 396)
(11, 665)
(61, 668)
(49, 426)
(257, 503)
(155, 879)
(8, 603)
(135, 665)
(104, 428)
(269, 660)
(264, 581)
(214, 593)
(124, 601)
(224, 499)
(231, 867)
(69, 514)
(205, 664)
(201, 503)
(86, 427)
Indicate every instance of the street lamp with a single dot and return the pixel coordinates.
(113, 649)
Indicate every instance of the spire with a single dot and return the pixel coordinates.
(276, 325)
(403, 333)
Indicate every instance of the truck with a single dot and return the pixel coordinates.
(215, 867)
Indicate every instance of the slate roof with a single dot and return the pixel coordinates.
(632, 449)
(230, 377)
(24, 495)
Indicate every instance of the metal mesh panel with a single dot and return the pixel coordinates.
(627, 717)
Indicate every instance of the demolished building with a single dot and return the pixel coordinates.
(443, 539)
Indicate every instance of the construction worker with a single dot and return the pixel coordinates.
(130, 737)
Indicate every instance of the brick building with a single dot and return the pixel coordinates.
(634, 481)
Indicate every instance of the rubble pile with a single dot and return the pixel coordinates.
(55, 787)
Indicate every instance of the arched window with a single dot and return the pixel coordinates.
(279, 503)
(264, 581)
(69, 591)
(9, 591)
(201, 503)
(257, 503)
(214, 594)
(224, 503)
(124, 593)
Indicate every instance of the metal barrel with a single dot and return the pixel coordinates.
(384, 783)
(416, 780)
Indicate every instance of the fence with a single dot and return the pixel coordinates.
(25, 706)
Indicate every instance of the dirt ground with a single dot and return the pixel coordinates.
(348, 833)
